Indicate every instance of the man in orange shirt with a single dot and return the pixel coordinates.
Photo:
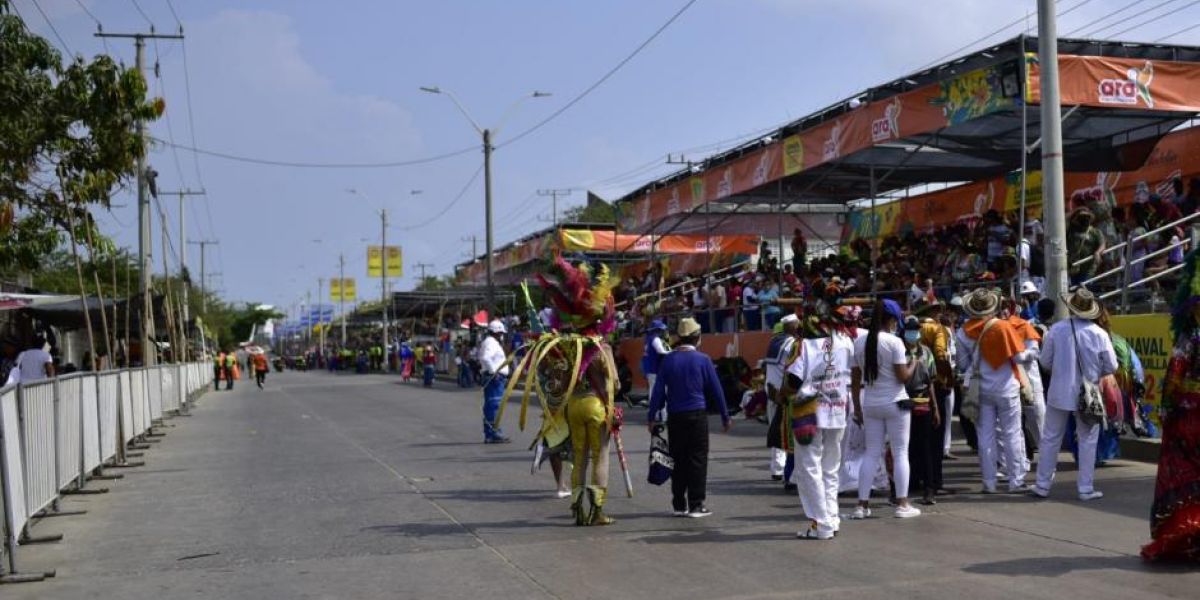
(260, 367)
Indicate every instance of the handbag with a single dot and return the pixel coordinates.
(661, 463)
(1026, 386)
(1089, 406)
(970, 405)
(1114, 399)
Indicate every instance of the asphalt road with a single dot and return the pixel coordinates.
(361, 487)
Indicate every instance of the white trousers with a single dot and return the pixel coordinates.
(816, 477)
(1052, 436)
(778, 457)
(1002, 413)
(949, 413)
(893, 423)
(1035, 417)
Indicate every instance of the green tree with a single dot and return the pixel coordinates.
(595, 211)
(67, 141)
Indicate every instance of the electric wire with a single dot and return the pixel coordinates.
(564, 108)
(53, 29)
(99, 25)
(985, 38)
(1180, 32)
(1103, 17)
(1158, 18)
(450, 205)
(143, 13)
(1123, 20)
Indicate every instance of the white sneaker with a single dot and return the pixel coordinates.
(562, 494)
(907, 512)
(813, 533)
(860, 513)
(1092, 495)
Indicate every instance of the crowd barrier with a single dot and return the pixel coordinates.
(57, 434)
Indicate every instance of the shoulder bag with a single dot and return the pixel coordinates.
(1090, 403)
(970, 405)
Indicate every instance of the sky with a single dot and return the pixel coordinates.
(323, 82)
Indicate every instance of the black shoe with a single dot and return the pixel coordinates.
(789, 487)
(777, 478)
(699, 512)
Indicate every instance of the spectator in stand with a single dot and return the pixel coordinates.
(1165, 212)
(799, 250)
(750, 311)
(700, 306)
(1083, 241)
(717, 303)
(1191, 202)
(770, 309)
(999, 237)
(734, 301)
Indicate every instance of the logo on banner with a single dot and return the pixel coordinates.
(673, 201)
(1135, 86)
(793, 155)
(697, 191)
(764, 167)
(642, 244)
(889, 126)
(832, 148)
(725, 186)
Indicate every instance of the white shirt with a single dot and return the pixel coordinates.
(993, 382)
(719, 296)
(827, 377)
(32, 364)
(749, 298)
(1058, 356)
(491, 356)
(886, 389)
(775, 364)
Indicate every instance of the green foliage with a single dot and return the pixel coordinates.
(56, 273)
(67, 140)
(433, 282)
(595, 211)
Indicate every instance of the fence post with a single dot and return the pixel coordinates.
(1125, 274)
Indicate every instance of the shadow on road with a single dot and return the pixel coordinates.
(1055, 566)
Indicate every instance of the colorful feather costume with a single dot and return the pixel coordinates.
(571, 371)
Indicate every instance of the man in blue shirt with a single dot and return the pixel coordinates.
(687, 381)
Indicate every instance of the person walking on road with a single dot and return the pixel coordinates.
(821, 373)
(218, 370)
(1075, 350)
(260, 368)
(882, 406)
(687, 384)
(653, 351)
(429, 360)
(491, 357)
(230, 365)
(779, 356)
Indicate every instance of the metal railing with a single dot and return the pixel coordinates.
(1128, 283)
(1127, 243)
(57, 434)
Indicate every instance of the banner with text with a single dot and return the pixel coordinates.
(395, 261)
(1150, 337)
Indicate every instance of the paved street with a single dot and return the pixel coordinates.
(361, 487)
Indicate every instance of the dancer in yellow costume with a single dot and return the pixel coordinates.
(572, 372)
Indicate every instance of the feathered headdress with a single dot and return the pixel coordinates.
(582, 300)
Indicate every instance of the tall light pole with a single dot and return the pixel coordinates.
(384, 269)
(487, 135)
(1054, 202)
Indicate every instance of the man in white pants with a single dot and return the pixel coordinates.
(1074, 349)
(779, 351)
(822, 372)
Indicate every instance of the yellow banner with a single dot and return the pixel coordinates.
(349, 291)
(1150, 337)
(374, 261)
(395, 262)
(335, 289)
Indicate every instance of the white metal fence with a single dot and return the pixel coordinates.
(56, 433)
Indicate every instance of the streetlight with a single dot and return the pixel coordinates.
(487, 135)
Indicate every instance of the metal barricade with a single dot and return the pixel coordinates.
(169, 395)
(35, 409)
(154, 379)
(108, 394)
(125, 391)
(67, 431)
(140, 401)
(12, 476)
(89, 422)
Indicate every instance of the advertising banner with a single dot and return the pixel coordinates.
(374, 261)
(335, 289)
(1150, 337)
(349, 291)
(395, 261)
(1105, 81)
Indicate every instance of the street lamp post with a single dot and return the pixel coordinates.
(487, 135)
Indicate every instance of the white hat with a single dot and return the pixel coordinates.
(1027, 287)
(790, 318)
(496, 326)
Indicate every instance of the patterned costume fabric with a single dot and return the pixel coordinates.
(1175, 516)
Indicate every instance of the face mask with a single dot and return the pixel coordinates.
(912, 337)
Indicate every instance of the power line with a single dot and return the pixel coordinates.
(460, 195)
(1103, 17)
(1158, 18)
(52, 28)
(604, 78)
(1135, 15)
(143, 13)
(988, 36)
(1181, 31)
(322, 165)
(175, 14)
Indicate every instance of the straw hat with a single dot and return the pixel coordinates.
(981, 303)
(1082, 303)
(688, 327)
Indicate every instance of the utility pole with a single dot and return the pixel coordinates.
(1054, 201)
(422, 267)
(487, 211)
(474, 239)
(183, 244)
(342, 296)
(321, 317)
(554, 194)
(384, 286)
(147, 324)
(203, 276)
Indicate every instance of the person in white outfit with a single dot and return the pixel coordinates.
(779, 354)
(1075, 349)
(991, 347)
(882, 366)
(821, 373)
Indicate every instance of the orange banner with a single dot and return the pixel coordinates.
(1176, 156)
(1104, 81)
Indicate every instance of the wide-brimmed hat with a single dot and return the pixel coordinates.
(1082, 211)
(688, 327)
(1082, 303)
(981, 303)
(1027, 287)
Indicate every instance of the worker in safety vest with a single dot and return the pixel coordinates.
(230, 363)
(218, 368)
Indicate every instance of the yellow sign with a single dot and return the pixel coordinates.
(1150, 338)
(335, 289)
(349, 293)
(793, 155)
(395, 261)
